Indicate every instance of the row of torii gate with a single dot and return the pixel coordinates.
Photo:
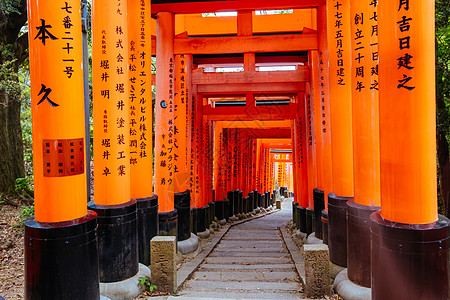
(357, 113)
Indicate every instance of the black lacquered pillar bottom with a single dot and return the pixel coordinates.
(309, 221)
(409, 261)
(337, 229)
(319, 205)
(302, 218)
(182, 203)
(230, 196)
(117, 240)
(324, 220)
(168, 223)
(295, 214)
(201, 219)
(358, 242)
(148, 226)
(61, 259)
(219, 209)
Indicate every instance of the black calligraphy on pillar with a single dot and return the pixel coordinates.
(404, 45)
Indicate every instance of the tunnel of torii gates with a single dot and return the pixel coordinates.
(352, 123)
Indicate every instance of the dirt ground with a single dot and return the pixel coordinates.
(11, 253)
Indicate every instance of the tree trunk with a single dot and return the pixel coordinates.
(11, 148)
(443, 160)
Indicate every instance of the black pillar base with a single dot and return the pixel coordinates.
(230, 196)
(226, 209)
(319, 205)
(409, 261)
(324, 220)
(168, 223)
(241, 202)
(212, 206)
(117, 240)
(207, 216)
(251, 197)
(147, 220)
(259, 200)
(295, 214)
(182, 204)
(245, 204)
(309, 221)
(235, 202)
(358, 242)
(61, 259)
(194, 214)
(219, 209)
(201, 219)
(337, 229)
(302, 218)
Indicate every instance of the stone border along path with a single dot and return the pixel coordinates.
(250, 259)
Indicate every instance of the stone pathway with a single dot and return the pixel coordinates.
(250, 262)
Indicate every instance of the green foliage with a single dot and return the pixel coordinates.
(146, 283)
(23, 184)
(10, 6)
(27, 212)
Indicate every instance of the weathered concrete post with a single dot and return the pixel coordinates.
(163, 265)
(317, 270)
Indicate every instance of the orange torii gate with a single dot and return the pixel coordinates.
(347, 111)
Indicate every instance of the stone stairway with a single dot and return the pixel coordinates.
(250, 262)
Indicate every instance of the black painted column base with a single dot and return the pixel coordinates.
(182, 204)
(409, 261)
(302, 218)
(240, 202)
(235, 202)
(309, 221)
(219, 209)
(61, 259)
(358, 242)
(324, 219)
(212, 207)
(117, 240)
(337, 229)
(148, 226)
(319, 205)
(295, 220)
(230, 196)
(168, 223)
(201, 219)
(207, 216)
(194, 220)
(226, 209)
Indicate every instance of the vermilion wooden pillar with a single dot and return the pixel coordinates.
(61, 214)
(325, 112)
(164, 123)
(366, 147)
(339, 42)
(141, 125)
(301, 149)
(408, 229)
(310, 146)
(218, 162)
(118, 252)
(179, 157)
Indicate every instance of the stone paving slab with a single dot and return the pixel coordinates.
(247, 285)
(247, 267)
(205, 295)
(247, 260)
(260, 250)
(250, 253)
(268, 275)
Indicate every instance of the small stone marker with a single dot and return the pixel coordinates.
(278, 204)
(163, 266)
(317, 270)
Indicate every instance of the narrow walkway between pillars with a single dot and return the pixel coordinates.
(250, 262)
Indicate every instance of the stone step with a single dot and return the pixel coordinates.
(256, 253)
(247, 286)
(259, 250)
(247, 260)
(246, 276)
(277, 267)
(210, 295)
